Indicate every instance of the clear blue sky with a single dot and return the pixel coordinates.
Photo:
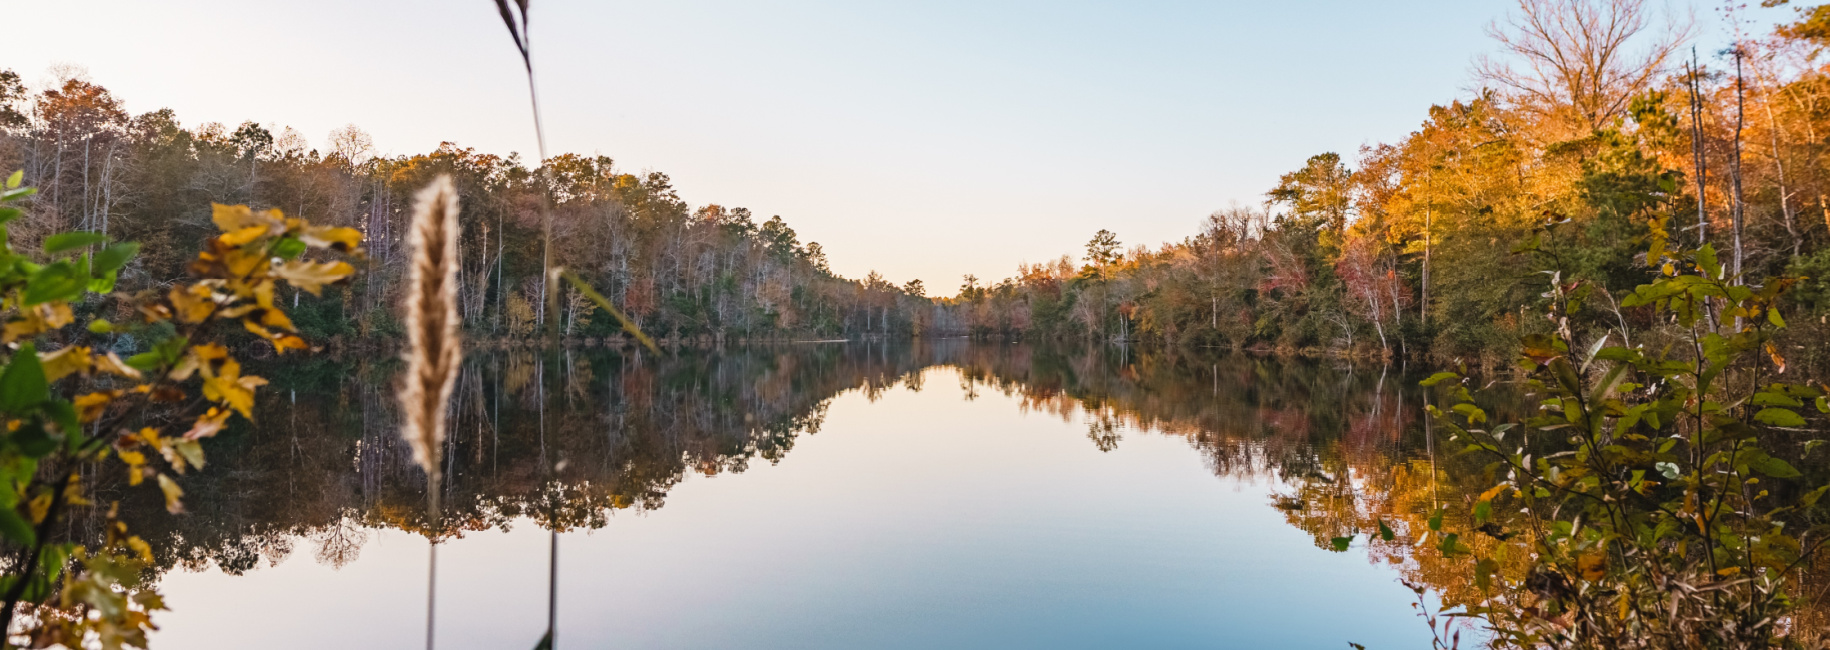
(921, 139)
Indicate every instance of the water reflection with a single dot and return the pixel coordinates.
(567, 440)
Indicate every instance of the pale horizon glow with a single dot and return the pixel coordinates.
(921, 140)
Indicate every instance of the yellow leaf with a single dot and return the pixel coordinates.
(343, 239)
(140, 548)
(312, 276)
(210, 351)
(237, 311)
(1733, 570)
(279, 319)
(20, 328)
(136, 466)
(263, 293)
(172, 494)
(40, 505)
(242, 264)
(208, 424)
(254, 327)
(281, 344)
(1592, 565)
(65, 362)
(89, 407)
(229, 387)
(242, 236)
(229, 218)
(73, 494)
(193, 304)
(111, 363)
(1493, 492)
(36, 319)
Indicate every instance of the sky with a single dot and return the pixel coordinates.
(922, 140)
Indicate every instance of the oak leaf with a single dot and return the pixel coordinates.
(64, 362)
(230, 218)
(312, 276)
(227, 386)
(342, 239)
(193, 304)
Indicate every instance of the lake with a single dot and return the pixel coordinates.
(850, 495)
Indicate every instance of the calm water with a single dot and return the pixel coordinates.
(938, 495)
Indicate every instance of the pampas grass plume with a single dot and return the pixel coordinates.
(433, 349)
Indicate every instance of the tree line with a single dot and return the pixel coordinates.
(1435, 245)
(1594, 122)
(676, 269)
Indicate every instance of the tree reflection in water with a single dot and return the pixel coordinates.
(1341, 446)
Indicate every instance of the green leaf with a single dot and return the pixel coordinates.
(32, 440)
(163, 353)
(100, 326)
(51, 563)
(58, 281)
(288, 248)
(191, 451)
(1482, 511)
(64, 414)
(1779, 417)
(1436, 520)
(13, 180)
(145, 361)
(546, 641)
(115, 256)
(1768, 398)
(1810, 498)
(1474, 413)
(103, 284)
(15, 528)
(1385, 532)
(1483, 573)
(1773, 467)
(1668, 470)
(1706, 260)
(1451, 545)
(1341, 543)
(22, 384)
(65, 241)
(1438, 378)
(1614, 353)
(1772, 316)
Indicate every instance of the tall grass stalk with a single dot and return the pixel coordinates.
(516, 20)
(434, 349)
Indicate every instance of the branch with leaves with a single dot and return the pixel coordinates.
(71, 404)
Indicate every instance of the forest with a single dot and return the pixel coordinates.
(676, 269)
(1438, 245)
(1435, 246)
